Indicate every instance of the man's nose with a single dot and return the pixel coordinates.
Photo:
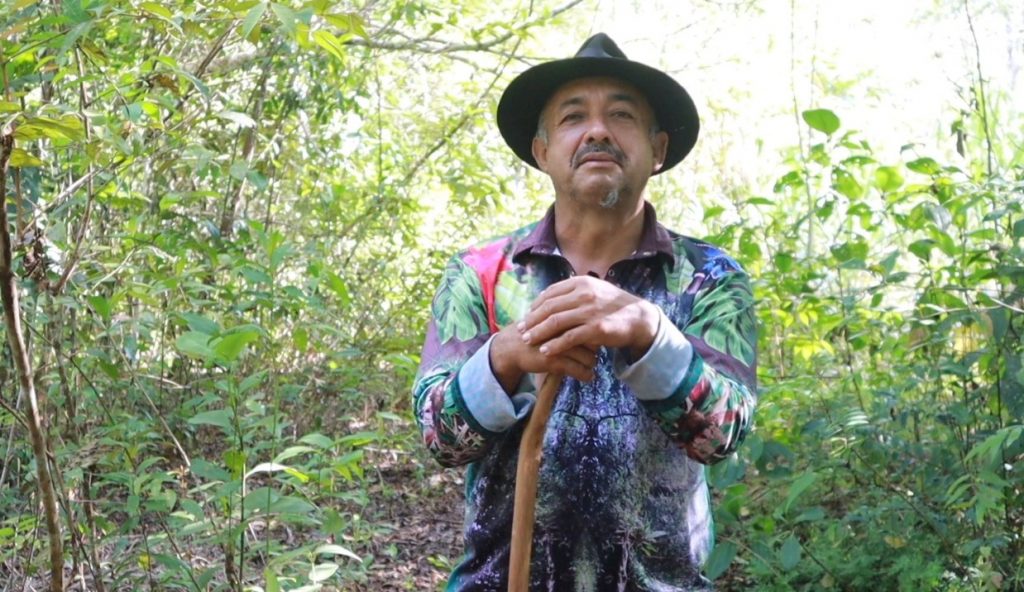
(597, 131)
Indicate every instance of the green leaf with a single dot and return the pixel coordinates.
(784, 261)
(339, 287)
(267, 467)
(925, 166)
(168, 201)
(844, 183)
(67, 128)
(287, 504)
(252, 18)
(235, 461)
(991, 448)
(359, 439)
(229, 347)
(300, 339)
(238, 170)
(20, 158)
(74, 11)
(198, 322)
(348, 23)
(851, 254)
(318, 440)
(810, 515)
(331, 43)
(719, 560)
(216, 417)
(322, 571)
(208, 471)
(789, 555)
(922, 248)
(797, 488)
(286, 16)
(270, 579)
(888, 178)
(101, 305)
(171, 562)
(252, 381)
(157, 9)
(822, 120)
(336, 550)
(256, 276)
(791, 179)
(195, 344)
(293, 451)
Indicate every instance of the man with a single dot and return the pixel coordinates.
(653, 331)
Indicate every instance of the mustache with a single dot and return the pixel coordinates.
(618, 155)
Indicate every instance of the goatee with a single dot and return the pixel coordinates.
(611, 199)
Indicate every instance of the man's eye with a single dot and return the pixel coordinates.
(570, 117)
(623, 114)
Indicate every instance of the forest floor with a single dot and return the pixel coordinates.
(420, 507)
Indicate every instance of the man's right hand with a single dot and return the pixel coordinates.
(511, 357)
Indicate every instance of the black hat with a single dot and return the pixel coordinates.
(524, 99)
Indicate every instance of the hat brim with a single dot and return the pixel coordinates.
(522, 102)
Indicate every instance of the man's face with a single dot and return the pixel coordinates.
(599, 147)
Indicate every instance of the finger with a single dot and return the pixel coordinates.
(571, 301)
(583, 356)
(554, 325)
(585, 335)
(556, 289)
(570, 367)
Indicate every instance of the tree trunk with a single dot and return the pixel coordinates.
(16, 339)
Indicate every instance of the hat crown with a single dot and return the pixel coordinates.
(525, 97)
(600, 46)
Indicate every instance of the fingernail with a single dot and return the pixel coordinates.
(526, 337)
(521, 325)
(544, 349)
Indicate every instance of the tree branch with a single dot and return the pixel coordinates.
(429, 45)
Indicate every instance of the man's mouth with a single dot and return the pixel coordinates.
(597, 158)
(601, 153)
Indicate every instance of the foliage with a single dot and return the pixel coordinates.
(230, 217)
(217, 211)
(890, 422)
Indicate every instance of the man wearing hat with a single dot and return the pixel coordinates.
(653, 331)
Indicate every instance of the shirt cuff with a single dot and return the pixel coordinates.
(484, 397)
(658, 374)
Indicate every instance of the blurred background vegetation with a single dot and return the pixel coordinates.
(226, 220)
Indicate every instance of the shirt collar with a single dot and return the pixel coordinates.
(655, 238)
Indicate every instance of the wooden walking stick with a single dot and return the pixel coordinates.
(526, 485)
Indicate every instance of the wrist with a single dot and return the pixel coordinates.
(646, 331)
(503, 364)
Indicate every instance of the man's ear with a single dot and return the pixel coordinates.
(540, 153)
(660, 145)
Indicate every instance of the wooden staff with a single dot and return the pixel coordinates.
(526, 485)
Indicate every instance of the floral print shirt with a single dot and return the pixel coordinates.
(622, 499)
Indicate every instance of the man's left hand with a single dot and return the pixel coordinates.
(587, 311)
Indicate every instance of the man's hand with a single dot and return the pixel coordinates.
(511, 357)
(587, 312)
